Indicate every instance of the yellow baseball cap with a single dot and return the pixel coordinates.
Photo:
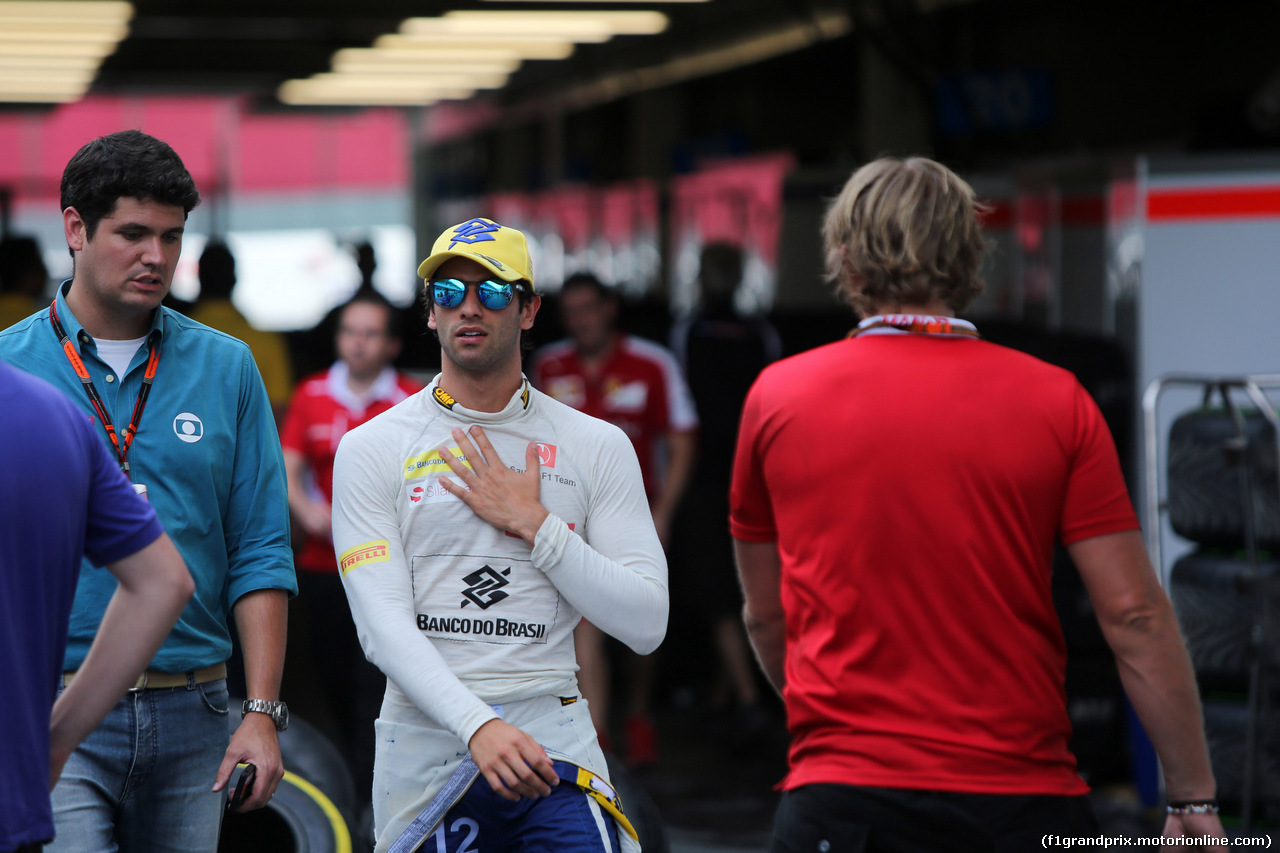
(502, 250)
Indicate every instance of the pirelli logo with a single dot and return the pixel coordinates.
(443, 397)
(369, 552)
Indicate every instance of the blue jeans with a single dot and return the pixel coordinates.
(142, 780)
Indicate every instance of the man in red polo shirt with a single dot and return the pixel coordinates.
(325, 406)
(895, 501)
(637, 386)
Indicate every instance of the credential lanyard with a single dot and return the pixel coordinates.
(918, 323)
(120, 443)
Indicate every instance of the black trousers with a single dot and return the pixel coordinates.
(848, 819)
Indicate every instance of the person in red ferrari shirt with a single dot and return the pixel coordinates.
(325, 406)
(896, 497)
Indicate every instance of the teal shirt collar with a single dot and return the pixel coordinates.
(76, 332)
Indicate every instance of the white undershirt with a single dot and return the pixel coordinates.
(118, 354)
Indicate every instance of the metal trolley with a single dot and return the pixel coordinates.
(1230, 391)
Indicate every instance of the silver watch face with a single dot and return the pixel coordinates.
(277, 711)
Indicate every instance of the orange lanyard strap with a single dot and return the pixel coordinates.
(918, 323)
(77, 364)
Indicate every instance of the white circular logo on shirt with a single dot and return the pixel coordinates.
(188, 427)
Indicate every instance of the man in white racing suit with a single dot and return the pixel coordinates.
(475, 523)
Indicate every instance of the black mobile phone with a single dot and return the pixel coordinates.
(244, 787)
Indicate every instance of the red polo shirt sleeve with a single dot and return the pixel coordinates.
(750, 510)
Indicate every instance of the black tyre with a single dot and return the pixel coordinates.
(1225, 725)
(307, 752)
(639, 808)
(1205, 497)
(299, 819)
(1217, 614)
(313, 807)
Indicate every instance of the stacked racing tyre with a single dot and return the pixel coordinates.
(1206, 503)
(1224, 496)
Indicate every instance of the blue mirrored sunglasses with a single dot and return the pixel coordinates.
(494, 295)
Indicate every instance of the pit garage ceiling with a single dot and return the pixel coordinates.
(251, 47)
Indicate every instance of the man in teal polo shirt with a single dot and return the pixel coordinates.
(184, 410)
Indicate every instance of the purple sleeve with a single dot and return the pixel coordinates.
(119, 522)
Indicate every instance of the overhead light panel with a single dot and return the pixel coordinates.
(98, 50)
(355, 60)
(10, 86)
(58, 86)
(69, 12)
(615, 23)
(20, 30)
(306, 98)
(9, 62)
(392, 69)
(470, 49)
(353, 93)
(349, 85)
(50, 50)
(437, 80)
(34, 96)
(345, 100)
(525, 46)
(406, 48)
(478, 30)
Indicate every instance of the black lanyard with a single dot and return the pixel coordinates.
(69, 349)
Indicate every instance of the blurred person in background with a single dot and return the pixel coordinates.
(23, 278)
(359, 385)
(214, 308)
(896, 498)
(184, 412)
(366, 263)
(637, 386)
(48, 525)
(721, 353)
(313, 348)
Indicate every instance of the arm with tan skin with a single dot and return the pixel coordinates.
(682, 449)
(313, 515)
(260, 579)
(261, 619)
(1138, 622)
(514, 764)
(154, 586)
(760, 572)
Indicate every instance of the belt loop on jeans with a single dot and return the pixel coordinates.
(156, 680)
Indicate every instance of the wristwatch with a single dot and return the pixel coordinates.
(277, 711)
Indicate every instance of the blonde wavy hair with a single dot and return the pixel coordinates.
(904, 232)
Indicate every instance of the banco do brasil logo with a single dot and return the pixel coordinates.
(484, 587)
